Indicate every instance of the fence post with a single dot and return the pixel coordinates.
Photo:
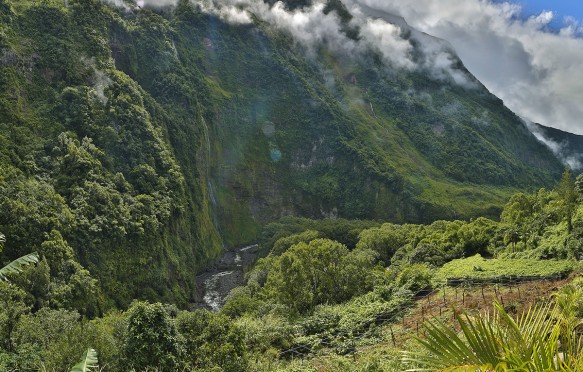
(519, 296)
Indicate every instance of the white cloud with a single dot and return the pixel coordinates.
(100, 80)
(537, 73)
(559, 149)
(390, 36)
(386, 37)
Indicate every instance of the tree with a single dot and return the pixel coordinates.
(53, 338)
(13, 304)
(153, 341)
(579, 184)
(385, 240)
(323, 271)
(516, 218)
(568, 194)
(212, 341)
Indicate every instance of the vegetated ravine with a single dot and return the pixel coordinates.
(147, 140)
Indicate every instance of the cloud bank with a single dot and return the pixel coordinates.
(537, 73)
(398, 44)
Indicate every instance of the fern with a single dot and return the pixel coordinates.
(16, 265)
(88, 362)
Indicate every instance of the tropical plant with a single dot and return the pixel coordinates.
(538, 340)
(16, 265)
(88, 362)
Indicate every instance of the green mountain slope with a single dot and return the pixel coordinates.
(152, 138)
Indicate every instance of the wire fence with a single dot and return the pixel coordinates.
(441, 303)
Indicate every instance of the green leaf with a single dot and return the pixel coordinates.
(16, 265)
(88, 362)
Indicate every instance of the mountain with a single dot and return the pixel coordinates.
(566, 146)
(148, 139)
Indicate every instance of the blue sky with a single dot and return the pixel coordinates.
(561, 8)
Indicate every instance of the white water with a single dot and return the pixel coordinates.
(218, 285)
(212, 296)
(244, 249)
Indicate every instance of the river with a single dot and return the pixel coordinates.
(227, 273)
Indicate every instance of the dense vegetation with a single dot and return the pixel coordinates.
(310, 294)
(140, 142)
(137, 143)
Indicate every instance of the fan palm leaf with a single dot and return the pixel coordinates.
(496, 341)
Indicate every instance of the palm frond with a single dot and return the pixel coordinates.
(16, 265)
(494, 340)
(88, 362)
(444, 349)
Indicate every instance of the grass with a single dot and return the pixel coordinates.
(479, 269)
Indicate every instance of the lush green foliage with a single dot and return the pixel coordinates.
(478, 269)
(212, 341)
(311, 293)
(322, 271)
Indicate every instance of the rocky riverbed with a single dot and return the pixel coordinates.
(214, 285)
